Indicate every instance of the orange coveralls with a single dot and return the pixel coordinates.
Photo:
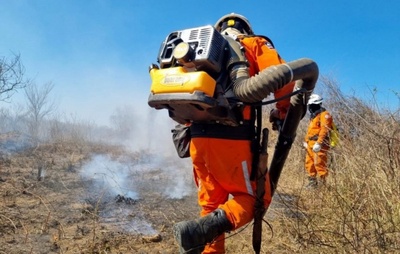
(222, 166)
(318, 131)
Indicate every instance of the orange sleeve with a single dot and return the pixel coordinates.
(261, 54)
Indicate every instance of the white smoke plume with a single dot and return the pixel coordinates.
(150, 165)
(110, 176)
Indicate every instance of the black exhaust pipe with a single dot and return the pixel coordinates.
(305, 72)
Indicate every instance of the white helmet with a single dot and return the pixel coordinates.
(315, 99)
(236, 21)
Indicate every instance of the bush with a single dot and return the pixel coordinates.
(358, 210)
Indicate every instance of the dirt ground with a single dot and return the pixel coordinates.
(55, 199)
(47, 206)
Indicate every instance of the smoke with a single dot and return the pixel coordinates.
(149, 168)
(135, 180)
(108, 176)
(148, 132)
(129, 178)
(181, 175)
(124, 221)
(11, 143)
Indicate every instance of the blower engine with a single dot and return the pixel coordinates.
(186, 80)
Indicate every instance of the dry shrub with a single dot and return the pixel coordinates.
(358, 210)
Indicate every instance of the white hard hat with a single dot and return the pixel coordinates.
(236, 21)
(315, 99)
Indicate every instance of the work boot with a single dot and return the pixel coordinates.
(312, 182)
(192, 236)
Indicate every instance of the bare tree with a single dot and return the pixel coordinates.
(11, 76)
(124, 121)
(38, 106)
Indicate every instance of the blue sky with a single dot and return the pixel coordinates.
(97, 52)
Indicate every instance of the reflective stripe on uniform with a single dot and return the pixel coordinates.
(247, 177)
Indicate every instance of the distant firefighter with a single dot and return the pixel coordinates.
(317, 141)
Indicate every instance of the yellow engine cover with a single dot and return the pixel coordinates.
(178, 80)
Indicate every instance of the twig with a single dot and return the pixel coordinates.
(15, 228)
(45, 225)
(26, 232)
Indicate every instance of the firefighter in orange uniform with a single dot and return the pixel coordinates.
(317, 141)
(222, 155)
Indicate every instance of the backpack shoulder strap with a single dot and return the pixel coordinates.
(267, 39)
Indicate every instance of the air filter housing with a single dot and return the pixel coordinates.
(205, 51)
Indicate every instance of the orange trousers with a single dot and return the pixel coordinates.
(222, 169)
(316, 163)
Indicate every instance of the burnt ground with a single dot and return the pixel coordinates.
(69, 198)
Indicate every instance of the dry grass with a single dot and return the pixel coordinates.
(358, 211)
